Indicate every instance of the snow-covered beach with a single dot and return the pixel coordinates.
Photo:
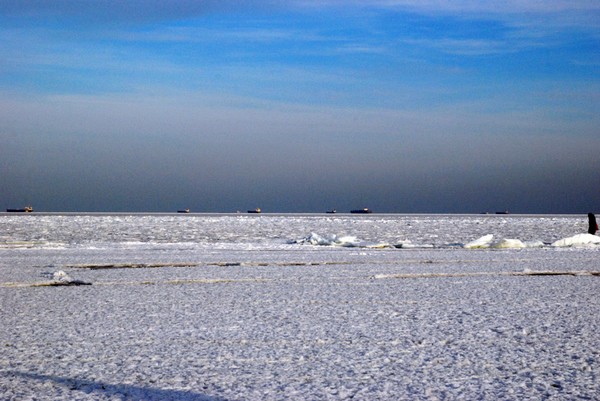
(274, 307)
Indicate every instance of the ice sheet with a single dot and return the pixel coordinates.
(234, 307)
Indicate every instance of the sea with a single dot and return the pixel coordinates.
(147, 231)
(213, 307)
(34, 244)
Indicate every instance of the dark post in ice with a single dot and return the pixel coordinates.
(593, 225)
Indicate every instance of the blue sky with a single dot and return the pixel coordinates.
(300, 106)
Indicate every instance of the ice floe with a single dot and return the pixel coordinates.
(348, 241)
(487, 241)
(482, 242)
(509, 243)
(578, 240)
(60, 278)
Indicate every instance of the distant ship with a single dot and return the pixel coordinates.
(27, 209)
(331, 211)
(361, 211)
(183, 211)
(257, 210)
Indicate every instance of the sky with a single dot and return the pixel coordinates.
(401, 106)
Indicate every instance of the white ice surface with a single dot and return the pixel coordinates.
(578, 240)
(236, 308)
(483, 242)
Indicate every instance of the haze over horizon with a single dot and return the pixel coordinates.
(397, 105)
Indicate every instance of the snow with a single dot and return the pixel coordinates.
(226, 307)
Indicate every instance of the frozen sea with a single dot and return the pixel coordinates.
(298, 307)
